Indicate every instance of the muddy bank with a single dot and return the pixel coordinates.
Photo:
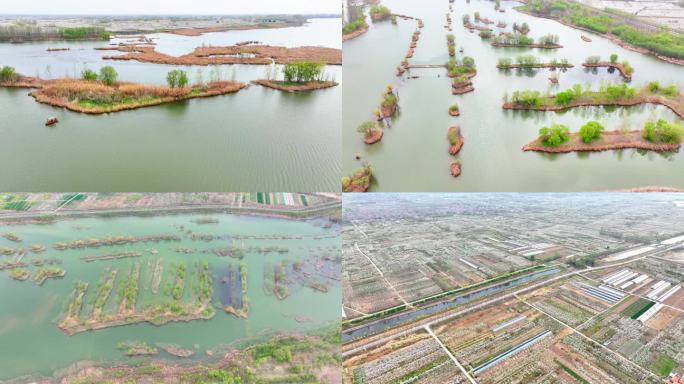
(455, 169)
(608, 64)
(585, 101)
(233, 54)
(375, 136)
(609, 141)
(455, 139)
(85, 96)
(355, 34)
(295, 87)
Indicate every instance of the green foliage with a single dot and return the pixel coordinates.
(663, 365)
(627, 68)
(662, 131)
(177, 78)
(379, 12)
(505, 62)
(548, 39)
(303, 71)
(593, 60)
(554, 136)
(527, 61)
(354, 25)
(108, 75)
(613, 58)
(8, 74)
(617, 92)
(453, 108)
(662, 42)
(526, 98)
(654, 86)
(81, 33)
(514, 39)
(367, 128)
(591, 131)
(565, 97)
(89, 74)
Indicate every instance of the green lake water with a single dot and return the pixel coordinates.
(412, 155)
(257, 139)
(31, 343)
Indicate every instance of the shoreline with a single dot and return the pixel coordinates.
(41, 96)
(231, 54)
(606, 64)
(310, 86)
(534, 45)
(355, 34)
(611, 140)
(544, 65)
(615, 39)
(637, 100)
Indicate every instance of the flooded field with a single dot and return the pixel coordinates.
(258, 138)
(413, 154)
(178, 287)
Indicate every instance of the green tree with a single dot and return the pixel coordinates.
(554, 136)
(367, 128)
(591, 131)
(89, 74)
(613, 58)
(8, 74)
(662, 131)
(108, 75)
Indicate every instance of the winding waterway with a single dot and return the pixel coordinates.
(32, 343)
(257, 139)
(412, 155)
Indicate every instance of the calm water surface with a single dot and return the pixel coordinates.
(257, 139)
(31, 343)
(412, 155)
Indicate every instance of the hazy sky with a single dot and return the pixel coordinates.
(170, 6)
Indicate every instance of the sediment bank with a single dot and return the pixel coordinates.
(93, 97)
(295, 87)
(233, 54)
(608, 141)
(607, 64)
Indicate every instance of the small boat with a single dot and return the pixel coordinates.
(52, 121)
(585, 38)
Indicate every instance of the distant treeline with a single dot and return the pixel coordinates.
(27, 32)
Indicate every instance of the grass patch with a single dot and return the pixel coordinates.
(663, 365)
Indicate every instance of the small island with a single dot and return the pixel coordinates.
(298, 77)
(355, 28)
(657, 136)
(519, 40)
(359, 181)
(372, 132)
(530, 61)
(101, 93)
(48, 273)
(20, 274)
(388, 105)
(455, 139)
(619, 95)
(625, 69)
(454, 110)
(461, 72)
